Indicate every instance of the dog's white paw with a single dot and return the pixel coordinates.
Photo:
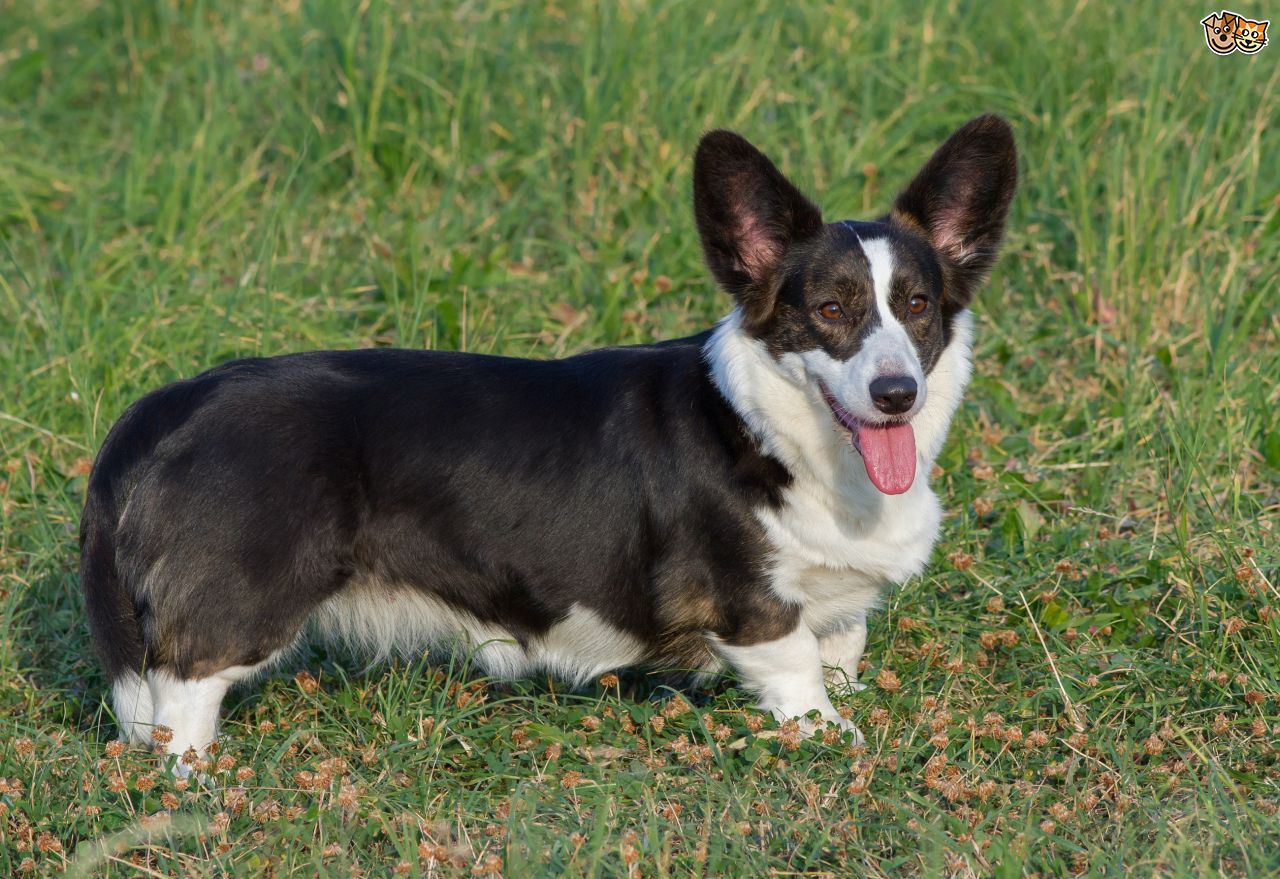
(845, 685)
(849, 726)
(810, 725)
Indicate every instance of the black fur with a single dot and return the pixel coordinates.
(242, 498)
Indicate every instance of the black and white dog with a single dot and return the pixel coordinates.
(738, 497)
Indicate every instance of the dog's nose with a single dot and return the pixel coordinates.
(893, 394)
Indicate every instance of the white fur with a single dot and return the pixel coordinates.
(131, 699)
(378, 622)
(583, 646)
(837, 540)
(382, 622)
(842, 651)
(786, 675)
(188, 708)
(880, 259)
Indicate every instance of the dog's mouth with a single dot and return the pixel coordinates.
(888, 450)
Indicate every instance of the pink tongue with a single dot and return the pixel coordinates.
(889, 453)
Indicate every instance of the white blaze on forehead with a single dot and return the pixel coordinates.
(889, 349)
(880, 257)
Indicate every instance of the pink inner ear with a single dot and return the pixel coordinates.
(758, 251)
(951, 223)
(948, 236)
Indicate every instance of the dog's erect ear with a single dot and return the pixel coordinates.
(748, 216)
(960, 199)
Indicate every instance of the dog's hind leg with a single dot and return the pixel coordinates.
(185, 711)
(131, 701)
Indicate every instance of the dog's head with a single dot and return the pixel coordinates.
(1220, 32)
(861, 310)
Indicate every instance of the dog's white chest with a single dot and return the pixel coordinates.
(834, 563)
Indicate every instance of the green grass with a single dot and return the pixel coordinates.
(185, 182)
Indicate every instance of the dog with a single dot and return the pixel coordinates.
(1220, 32)
(737, 498)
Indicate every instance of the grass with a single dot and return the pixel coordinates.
(1085, 681)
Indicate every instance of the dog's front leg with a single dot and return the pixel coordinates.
(842, 651)
(786, 675)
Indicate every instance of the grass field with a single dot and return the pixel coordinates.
(1084, 682)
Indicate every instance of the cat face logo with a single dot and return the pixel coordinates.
(1251, 36)
(1220, 32)
(1226, 32)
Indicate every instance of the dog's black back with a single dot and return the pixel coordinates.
(263, 487)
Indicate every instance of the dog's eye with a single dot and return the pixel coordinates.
(831, 311)
(917, 305)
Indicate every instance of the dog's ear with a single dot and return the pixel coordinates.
(749, 216)
(960, 200)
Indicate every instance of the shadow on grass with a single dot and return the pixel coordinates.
(439, 669)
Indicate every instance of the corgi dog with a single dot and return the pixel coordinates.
(735, 500)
